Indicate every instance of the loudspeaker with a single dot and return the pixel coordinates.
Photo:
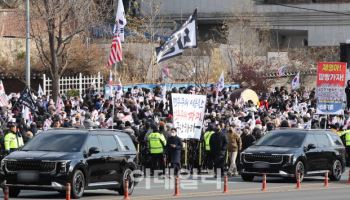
(344, 53)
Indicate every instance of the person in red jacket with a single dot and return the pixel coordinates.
(263, 103)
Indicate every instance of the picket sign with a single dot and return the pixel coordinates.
(188, 111)
(80, 83)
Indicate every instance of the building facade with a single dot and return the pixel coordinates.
(292, 23)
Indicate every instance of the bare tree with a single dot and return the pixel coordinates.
(152, 27)
(56, 23)
(9, 3)
(247, 47)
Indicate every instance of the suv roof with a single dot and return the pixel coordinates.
(87, 131)
(320, 131)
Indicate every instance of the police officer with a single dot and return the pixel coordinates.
(13, 140)
(345, 135)
(156, 144)
(207, 135)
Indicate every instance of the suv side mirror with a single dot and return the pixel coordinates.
(94, 150)
(311, 146)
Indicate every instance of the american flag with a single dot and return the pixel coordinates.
(116, 54)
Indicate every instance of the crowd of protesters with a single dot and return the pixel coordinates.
(233, 124)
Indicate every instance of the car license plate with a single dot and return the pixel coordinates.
(27, 176)
(261, 165)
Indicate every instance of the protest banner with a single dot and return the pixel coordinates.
(331, 77)
(188, 113)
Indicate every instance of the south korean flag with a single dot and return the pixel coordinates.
(183, 38)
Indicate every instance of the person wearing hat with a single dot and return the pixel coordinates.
(13, 140)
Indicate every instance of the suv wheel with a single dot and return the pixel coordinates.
(247, 177)
(127, 174)
(78, 184)
(336, 171)
(14, 192)
(299, 168)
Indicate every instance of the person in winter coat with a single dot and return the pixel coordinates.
(257, 133)
(247, 139)
(234, 145)
(88, 123)
(218, 147)
(174, 147)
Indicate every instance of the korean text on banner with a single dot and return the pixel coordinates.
(331, 78)
(188, 112)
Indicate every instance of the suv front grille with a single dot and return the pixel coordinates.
(30, 165)
(274, 159)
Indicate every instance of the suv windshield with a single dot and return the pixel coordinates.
(282, 139)
(60, 142)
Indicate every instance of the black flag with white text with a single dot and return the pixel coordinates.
(183, 38)
(26, 99)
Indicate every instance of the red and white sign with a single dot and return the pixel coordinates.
(331, 73)
(331, 78)
(188, 112)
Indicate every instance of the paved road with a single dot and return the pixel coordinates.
(205, 187)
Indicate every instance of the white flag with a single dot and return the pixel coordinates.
(119, 89)
(120, 21)
(3, 98)
(2, 89)
(25, 113)
(296, 82)
(281, 71)
(183, 38)
(164, 93)
(220, 85)
(40, 91)
(296, 104)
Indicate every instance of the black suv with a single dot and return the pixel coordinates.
(87, 159)
(287, 152)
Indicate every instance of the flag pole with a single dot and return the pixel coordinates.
(27, 45)
(113, 92)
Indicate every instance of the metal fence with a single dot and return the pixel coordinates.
(80, 83)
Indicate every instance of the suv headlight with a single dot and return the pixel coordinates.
(63, 166)
(3, 162)
(288, 158)
(241, 157)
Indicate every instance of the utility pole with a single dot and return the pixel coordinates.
(27, 45)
